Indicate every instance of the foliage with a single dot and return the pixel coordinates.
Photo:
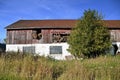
(101, 68)
(90, 37)
(5, 40)
(32, 67)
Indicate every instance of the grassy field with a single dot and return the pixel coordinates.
(15, 66)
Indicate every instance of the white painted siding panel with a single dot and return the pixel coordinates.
(41, 49)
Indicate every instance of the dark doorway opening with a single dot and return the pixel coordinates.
(115, 48)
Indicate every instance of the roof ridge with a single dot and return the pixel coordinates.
(45, 19)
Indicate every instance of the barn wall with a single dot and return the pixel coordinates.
(25, 36)
(21, 37)
(115, 35)
(18, 36)
(41, 49)
(48, 34)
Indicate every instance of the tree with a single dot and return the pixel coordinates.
(90, 37)
(5, 40)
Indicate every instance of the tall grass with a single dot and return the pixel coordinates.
(102, 68)
(14, 66)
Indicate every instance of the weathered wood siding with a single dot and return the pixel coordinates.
(48, 34)
(25, 36)
(115, 35)
(20, 37)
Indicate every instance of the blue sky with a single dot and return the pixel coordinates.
(14, 10)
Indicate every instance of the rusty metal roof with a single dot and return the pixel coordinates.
(27, 24)
(112, 23)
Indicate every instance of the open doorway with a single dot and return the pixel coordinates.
(115, 48)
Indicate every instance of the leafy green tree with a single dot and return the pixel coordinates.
(90, 37)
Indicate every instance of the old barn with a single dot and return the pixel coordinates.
(48, 37)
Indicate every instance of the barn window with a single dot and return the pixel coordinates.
(36, 34)
(29, 49)
(55, 49)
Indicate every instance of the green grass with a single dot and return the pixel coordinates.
(15, 66)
